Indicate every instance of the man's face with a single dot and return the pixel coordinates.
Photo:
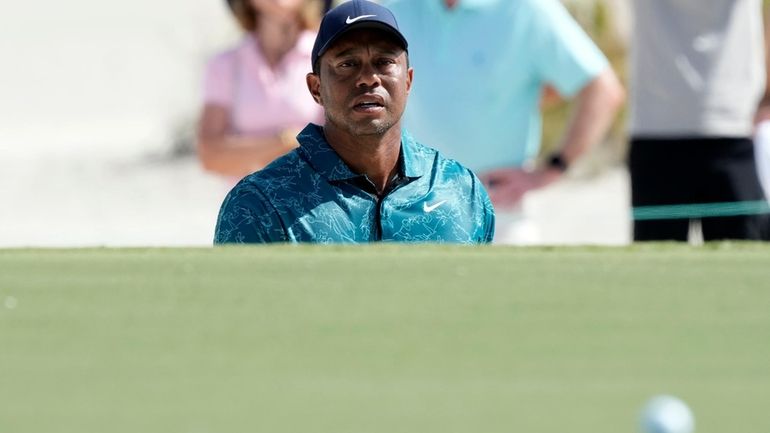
(363, 81)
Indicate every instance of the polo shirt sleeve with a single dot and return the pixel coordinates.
(564, 55)
(489, 219)
(247, 217)
(219, 79)
(485, 212)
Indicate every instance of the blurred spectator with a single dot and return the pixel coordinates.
(482, 67)
(255, 95)
(328, 4)
(762, 119)
(697, 76)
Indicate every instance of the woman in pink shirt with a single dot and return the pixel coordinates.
(255, 95)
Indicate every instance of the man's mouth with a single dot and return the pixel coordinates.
(368, 103)
(368, 107)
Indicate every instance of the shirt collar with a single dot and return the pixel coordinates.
(417, 159)
(414, 159)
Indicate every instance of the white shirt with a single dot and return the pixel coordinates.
(697, 67)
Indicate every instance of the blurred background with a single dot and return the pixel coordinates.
(99, 104)
(99, 108)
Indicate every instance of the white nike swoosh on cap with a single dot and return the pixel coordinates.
(352, 20)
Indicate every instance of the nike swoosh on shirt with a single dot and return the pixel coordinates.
(430, 208)
(352, 20)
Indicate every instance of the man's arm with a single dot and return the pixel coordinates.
(594, 108)
(234, 155)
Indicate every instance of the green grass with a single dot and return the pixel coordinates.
(382, 339)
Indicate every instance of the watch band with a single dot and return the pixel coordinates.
(557, 162)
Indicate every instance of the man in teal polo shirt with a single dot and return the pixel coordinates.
(359, 178)
(481, 68)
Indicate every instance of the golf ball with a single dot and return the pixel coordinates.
(667, 414)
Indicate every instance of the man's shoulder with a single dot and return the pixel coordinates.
(452, 168)
(278, 176)
(438, 161)
(288, 164)
(419, 149)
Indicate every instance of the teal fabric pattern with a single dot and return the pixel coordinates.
(311, 195)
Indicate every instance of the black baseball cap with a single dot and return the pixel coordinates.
(354, 14)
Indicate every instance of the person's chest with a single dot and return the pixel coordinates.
(478, 59)
(417, 211)
(269, 100)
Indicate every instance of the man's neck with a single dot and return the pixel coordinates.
(375, 156)
(450, 4)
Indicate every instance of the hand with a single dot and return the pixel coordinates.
(507, 186)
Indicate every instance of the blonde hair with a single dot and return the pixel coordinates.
(308, 12)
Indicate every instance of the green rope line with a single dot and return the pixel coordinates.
(703, 210)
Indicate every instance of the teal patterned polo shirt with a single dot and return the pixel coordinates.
(311, 195)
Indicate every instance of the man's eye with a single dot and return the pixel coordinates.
(385, 62)
(346, 64)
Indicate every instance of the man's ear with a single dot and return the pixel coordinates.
(314, 86)
(409, 78)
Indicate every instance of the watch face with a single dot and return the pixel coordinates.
(556, 161)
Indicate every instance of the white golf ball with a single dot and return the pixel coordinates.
(667, 414)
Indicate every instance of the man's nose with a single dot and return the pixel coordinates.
(368, 76)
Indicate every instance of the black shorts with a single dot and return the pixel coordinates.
(694, 171)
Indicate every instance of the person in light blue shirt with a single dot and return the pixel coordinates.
(481, 68)
(359, 177)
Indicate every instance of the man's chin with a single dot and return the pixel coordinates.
(375, 127)
(361, 127)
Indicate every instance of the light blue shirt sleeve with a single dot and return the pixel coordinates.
(564, 54)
